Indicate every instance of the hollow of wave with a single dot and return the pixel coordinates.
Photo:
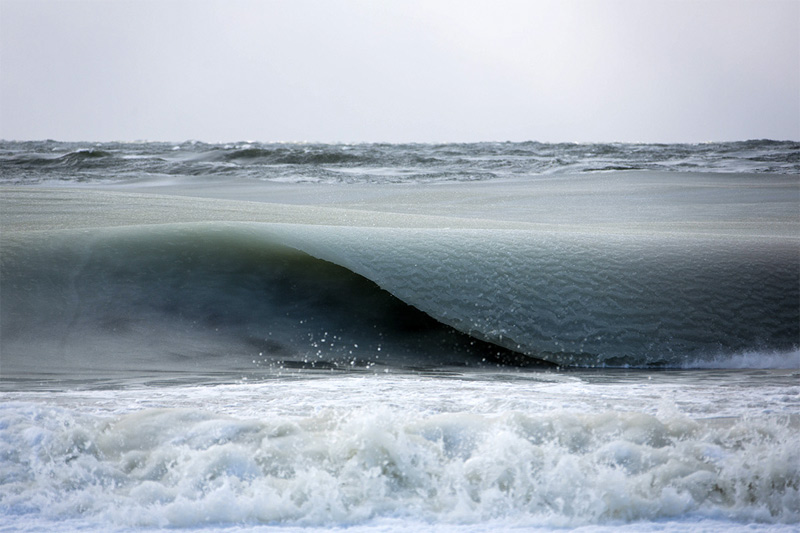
(208, 299)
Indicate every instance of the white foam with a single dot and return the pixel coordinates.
(769, 359)
(390, 452)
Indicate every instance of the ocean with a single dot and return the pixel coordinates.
(393, 337)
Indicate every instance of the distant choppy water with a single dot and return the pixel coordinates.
(30, 162)
(461, 337)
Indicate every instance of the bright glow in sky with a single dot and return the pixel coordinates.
(427, 70)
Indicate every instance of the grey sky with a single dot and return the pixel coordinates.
(361, 70)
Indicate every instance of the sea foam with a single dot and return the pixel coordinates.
(183, 467)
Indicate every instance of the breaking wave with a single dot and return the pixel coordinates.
(231, 296)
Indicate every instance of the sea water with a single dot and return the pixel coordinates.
(498, 336)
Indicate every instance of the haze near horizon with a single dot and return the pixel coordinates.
(415, 71)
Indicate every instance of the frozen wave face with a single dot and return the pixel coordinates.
(237, 297)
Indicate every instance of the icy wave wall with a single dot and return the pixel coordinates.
(243, 293)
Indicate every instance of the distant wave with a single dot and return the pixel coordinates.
(32, 162)
(288, 156)
(77, 158)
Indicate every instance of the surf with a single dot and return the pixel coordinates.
(324, 461)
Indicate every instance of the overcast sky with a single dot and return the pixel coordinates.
(396, 71)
